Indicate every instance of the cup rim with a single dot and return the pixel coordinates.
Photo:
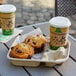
(58, 22)
(7, 8)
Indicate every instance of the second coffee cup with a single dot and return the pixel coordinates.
(59, 30)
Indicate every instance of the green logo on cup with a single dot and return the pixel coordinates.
(10, 32)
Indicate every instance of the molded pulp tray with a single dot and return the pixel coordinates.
(36, 62)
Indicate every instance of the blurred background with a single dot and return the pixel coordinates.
(36, 11)
(32, 11)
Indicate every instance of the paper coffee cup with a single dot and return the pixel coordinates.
(59, 29)
(7, 18)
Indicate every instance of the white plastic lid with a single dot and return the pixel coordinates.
(7, 8)
(60, 22)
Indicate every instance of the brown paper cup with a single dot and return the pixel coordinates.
(7, 19)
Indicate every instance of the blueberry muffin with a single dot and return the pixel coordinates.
(36, 41)
(22, 50)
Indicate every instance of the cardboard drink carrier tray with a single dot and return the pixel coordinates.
(50, 58)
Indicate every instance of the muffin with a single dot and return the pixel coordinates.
(36, 41)
(22, 50)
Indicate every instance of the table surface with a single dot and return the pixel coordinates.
(66, 69)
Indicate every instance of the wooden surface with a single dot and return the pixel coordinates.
(66, 69)
(7, 69)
